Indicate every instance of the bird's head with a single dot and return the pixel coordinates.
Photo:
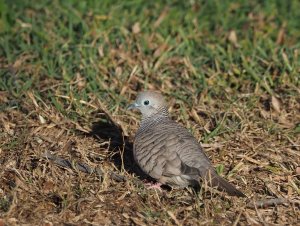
(149, 103)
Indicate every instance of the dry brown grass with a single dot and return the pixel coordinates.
(36, 191)
(229, 69)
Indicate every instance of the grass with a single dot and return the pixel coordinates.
(68, 69)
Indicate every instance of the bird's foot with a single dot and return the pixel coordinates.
(154, 186)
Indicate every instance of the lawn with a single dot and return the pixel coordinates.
(230, 71)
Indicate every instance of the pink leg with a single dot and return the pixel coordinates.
(153, 186)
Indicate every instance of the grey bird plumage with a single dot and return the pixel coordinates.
(169, 153)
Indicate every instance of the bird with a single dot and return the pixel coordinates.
(168, 152)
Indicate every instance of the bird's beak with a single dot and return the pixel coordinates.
(133, 106)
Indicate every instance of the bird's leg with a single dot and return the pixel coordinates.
(151, 185)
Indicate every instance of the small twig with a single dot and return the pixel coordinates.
(80, 101)
(259, 215)
(237, 219)
(174, 218)
(268, 202)
(83, 167)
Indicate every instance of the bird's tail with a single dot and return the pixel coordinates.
(214, 180)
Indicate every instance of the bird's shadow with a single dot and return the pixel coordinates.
(119, 146)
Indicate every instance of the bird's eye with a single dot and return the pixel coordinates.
(146, 102)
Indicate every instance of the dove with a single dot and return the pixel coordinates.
(168, 152)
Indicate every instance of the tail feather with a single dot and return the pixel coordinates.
(224, 185)
(211, 177)
(214, 180)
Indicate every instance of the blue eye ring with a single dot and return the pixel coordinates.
(146, 102)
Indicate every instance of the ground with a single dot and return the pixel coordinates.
(230, 74)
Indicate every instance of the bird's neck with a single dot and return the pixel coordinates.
(156, 117)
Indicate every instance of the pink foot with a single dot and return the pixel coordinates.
(153, 186)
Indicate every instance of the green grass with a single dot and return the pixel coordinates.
(58, 39)
(70, 56)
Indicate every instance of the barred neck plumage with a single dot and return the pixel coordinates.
(161, 114)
